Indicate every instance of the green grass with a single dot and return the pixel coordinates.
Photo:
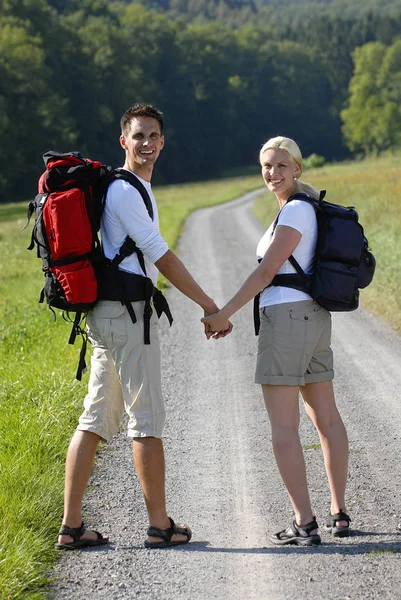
(40, 400)
(384, 552)
(312, 447)
(372, 186)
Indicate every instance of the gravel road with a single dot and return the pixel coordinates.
(221, 474)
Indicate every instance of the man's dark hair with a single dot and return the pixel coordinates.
(141, 110)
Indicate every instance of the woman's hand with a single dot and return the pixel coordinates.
(217, 325)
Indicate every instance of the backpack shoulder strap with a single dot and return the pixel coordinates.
(125, 175)
(129, 246)
(307, 198)
(305, 279)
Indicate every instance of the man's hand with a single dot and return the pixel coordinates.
(216, 325)
(209, 310)
(221, 334)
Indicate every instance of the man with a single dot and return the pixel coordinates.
(125, 371)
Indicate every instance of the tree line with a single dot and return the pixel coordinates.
(267, 12)
(69, 69)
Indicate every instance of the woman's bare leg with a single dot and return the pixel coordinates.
(322, 410)
(282, 404)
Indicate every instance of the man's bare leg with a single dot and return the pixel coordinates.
(79, 462)
(149, 464)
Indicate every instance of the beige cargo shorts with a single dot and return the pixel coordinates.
(294, 344)
(125, 374)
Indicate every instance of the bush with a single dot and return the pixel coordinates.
(314, 161)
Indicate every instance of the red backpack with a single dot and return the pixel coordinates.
(67, 211)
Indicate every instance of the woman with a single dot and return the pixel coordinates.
(294, 351)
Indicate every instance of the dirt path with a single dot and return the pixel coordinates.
(221, 474)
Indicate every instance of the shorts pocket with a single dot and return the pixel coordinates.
(266, 332)
(266, 316)
(111, 321)
(303, 315)
(295, 329)
(119, 331)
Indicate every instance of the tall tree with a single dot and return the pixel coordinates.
(35, 113)
(365, 104)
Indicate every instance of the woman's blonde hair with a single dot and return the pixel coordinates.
(292, 148)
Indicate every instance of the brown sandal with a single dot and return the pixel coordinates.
(166, 535)
(76, 534)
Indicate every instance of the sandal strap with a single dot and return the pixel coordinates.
(286, 533)
(165, 534)
(296, 530)
(305, 530)
(74, 532)
(340, 516)
(182, 531)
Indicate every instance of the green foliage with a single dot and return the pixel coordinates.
(33, 112)
(372, 120)
(314, 161)
(70, 69)
(239, 12)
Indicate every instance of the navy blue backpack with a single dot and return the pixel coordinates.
(343, 263)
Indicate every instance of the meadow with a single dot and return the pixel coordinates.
(39, 398)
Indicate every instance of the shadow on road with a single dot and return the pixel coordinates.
(343, 547)
(330, 547)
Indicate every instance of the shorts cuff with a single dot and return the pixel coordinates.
(318, 377)
(92, 429)
(135, 433)
(278, 380)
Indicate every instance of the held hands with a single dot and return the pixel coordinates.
(216, 325)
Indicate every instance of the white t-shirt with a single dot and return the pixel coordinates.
(125, 214)
(299, 215)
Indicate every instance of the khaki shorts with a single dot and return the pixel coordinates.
(294, 344)
(125, 374)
